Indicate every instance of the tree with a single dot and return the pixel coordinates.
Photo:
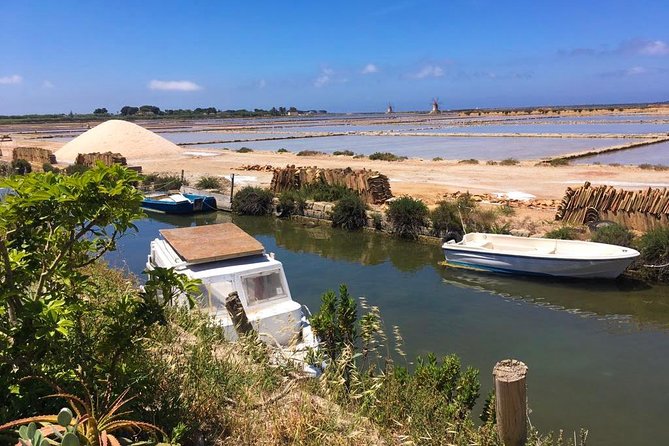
(100, 111)
(147, 109)
(128, 110)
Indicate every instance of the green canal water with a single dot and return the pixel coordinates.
(598, 352)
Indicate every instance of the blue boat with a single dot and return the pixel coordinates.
(179, 203)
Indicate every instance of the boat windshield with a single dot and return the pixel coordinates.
(263, 286)
(214, 293)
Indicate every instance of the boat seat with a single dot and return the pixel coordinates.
(480, 244)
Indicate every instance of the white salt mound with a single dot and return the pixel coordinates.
(130, 140)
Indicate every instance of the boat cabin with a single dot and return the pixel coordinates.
(227, 259)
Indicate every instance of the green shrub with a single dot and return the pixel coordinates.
(325, 192)
(5, 169)
(245, 150)
(556, 162)
(386, 156)
(563, 233)
(407, 216)
(445, 217)
(469, 161)
(208, 182)
(659, 167)
(614, 234)
(654, 248)
(291, 202)
(282, 150)
(309, 153)
(252, 201)
(507, 210)
(491, 163)
(343, 152)
(163, 182)
(359, 156)
(21, 167)
(437, 158)
(76, 169)
(509, 162)
(377, 220)
(48, 167)
(349, 213)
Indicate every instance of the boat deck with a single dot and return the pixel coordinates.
(211, 243)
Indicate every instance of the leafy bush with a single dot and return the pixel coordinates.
(386, 156)
(309, 153)
(408, 216)
(437, 158)
(509, 162)
(48, 167)
(343, 152)
(282, 150)
(244, 150)
(209, 182)
(491, 163)
(349, 213)
(469, 161)
(555, 162)
(563, 233)
(252, 201)
(291, 202)
(659, 167)
(358, 156)
(654, 248)
(325, 192)
(21, 167)
(163, 182)
(613, 234)
(73, 169)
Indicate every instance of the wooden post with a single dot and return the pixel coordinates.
(234, 306)
(182, 176)
(511, 401)
(232, 187)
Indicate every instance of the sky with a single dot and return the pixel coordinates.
(357, 56)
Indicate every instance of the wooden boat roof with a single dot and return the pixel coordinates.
(211, 243)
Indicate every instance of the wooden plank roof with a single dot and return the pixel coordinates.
(211, 243)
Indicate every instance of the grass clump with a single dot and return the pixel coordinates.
(509, 162)
(469, 161)
(613, 234)
(349, 213)
(209, 182)
(343, 153)
(282, 150)
(437, 158)
(408, 216)
(162, 182)
(309, 153)
(556, 162)
(654, 248)
(252, 200)
(491, 163)
(358, 156)
(244, 150)
(563, 233)
(386, 156)
(325, 192)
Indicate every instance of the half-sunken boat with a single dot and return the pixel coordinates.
(179, 203)
(227, 260)
(538, 256)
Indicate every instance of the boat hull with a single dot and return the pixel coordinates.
(532, 261)
(195, 203)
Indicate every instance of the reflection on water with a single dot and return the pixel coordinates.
(597, 350)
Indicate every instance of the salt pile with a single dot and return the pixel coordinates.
(128, 139)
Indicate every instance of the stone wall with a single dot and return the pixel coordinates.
(35, 155)
(107, 158)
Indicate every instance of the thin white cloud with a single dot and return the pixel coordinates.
(638, 47)
(428, 71)
(324, 78)
(370, 68)
(174, 85)
(654, 48)
(635, 71)
(47, 84)
(262, 83)
(10, 80)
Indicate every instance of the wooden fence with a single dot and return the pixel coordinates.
(636, 209)
(372, 186)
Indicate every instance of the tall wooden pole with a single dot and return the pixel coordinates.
(511, 401)
(232, 187)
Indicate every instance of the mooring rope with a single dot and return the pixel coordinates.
(657, 266)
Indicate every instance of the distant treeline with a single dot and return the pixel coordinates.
(152, 111)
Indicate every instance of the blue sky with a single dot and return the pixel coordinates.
(64, 55)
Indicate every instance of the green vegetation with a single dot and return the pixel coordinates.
(209, 182)
(48, 167)
(437, 158)
(386, 156)
(291, 202)
(252, 201)
(556, 162)
(659, 167)
(563, 233)
(343, 153)
(74, 169)
(408, 216)
(309, 153)
(613, 234)
(349, 212)
(162, 182)
(449, 216)
(358, 156)
(469, 161)
(244, 150)
(282, 150)
(491, 163)
(509, 162)
(654, 249)
(21, 167)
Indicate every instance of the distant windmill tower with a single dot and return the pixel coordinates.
(435, 107)
(389, 110)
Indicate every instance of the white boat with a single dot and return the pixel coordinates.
(538, 256)
(226, 259)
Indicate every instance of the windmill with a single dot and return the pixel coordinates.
(435, 107)
(390, 110)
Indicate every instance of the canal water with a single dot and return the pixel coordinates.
(597, 351)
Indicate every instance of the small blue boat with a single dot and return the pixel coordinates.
(179, 203)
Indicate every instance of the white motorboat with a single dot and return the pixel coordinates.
(538, 256)
(226, 259)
